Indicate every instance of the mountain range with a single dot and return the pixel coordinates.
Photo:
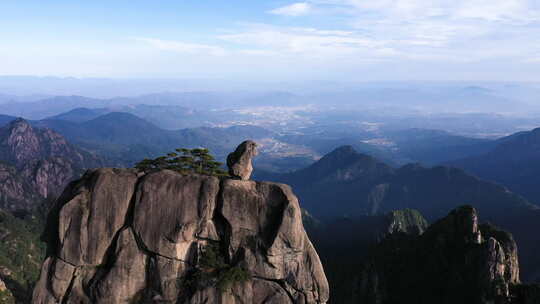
(345, 183)
(350, 194)
(127, 138)
(347, 190)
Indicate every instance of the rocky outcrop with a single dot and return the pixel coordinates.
(456, 260)
(407, 221)
(37, 163)
(120, 236)
(239, 161)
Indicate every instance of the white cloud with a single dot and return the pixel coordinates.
(533, 60)
(258, 52)
(408, 25)
(295, 9)
(399, 32)
(184, 47)
(489, 10)
(307, 42)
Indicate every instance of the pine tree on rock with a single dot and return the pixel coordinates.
(185, 161)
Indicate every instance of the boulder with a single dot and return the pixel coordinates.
(239, 161)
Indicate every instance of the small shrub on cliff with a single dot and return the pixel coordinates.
(213, 270)
(231, 275)
(6, 297)
(185, 161)
(211, 258)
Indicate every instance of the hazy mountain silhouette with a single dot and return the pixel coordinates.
(127, 138)
(79, 115)
(513, 162)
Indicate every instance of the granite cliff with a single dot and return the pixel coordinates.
(121, 236)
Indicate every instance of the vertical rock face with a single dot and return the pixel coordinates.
(117, 236)
(456, 260)
(239, 161)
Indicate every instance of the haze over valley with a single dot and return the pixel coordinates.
(398, 121)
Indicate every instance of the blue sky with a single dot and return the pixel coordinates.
(273, 40)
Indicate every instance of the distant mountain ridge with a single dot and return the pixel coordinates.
(127, 138)
(435, 146)
(164, 116)
(365, 185)
(514, 162)
(79, 114)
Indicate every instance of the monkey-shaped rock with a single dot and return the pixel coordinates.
(239, 161)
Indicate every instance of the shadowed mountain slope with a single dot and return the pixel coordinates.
(347, 183)
(514, 162)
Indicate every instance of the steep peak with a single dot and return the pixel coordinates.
(341, 156)
(19, 124)
(18, 141)
(21, 143)
(344, 150)
(461, 224)
(19, 120)
(342, 164)
(345, 156)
